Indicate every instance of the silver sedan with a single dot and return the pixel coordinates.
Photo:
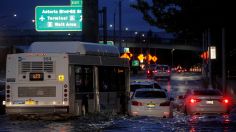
(150, 102)
(205, 101)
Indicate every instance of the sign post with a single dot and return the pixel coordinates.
(58, 18)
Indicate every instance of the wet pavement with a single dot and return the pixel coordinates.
(178, 84)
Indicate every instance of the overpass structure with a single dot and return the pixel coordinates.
(130, 39)
(177, 46)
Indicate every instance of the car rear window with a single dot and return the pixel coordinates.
(164, 68)
(137, 86)
(152, 66)
(150, 94)
(207, 92)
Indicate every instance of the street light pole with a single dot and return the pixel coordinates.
(120, 23)
(172, 58)
(223, 62)
(114, 27)
(209, 59)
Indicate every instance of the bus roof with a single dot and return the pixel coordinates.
(74, 47)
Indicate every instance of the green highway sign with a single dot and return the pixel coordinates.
(135, 63)
(58, 18)
(76, 2)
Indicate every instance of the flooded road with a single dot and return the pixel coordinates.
(178, 84)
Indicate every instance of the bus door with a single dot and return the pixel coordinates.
(84, 88)
(112, 89)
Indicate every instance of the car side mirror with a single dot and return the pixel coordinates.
(130, 95)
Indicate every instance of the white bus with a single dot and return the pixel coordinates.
(67, 77)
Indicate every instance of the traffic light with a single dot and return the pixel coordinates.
(205, 55)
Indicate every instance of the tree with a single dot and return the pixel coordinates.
(186, 18)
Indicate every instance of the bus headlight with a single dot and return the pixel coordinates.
(3, 102)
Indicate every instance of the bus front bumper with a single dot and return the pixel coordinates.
(36, 110)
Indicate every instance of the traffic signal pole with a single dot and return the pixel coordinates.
(120, 24)
(104, 12)
(209, 59)
(223, 62)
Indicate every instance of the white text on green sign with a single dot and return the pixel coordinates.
(76, 2)
(58, 18)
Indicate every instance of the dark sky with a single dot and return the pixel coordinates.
(25, 13)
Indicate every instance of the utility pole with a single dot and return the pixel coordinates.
(104, 16)
(209, 59)
(172, 58)
(120, 24)
(203, 50)
(223, 62)
(104, 24)
(114, 28)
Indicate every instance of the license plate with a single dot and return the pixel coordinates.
(209, 102)
(151, 105)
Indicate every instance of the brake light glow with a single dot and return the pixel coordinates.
(148, 71)
(192, 100)
(136, 103)
(226, 101)
(155, 71)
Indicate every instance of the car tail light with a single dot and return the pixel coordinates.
(155, 71)
(168, 71)
(148, 72)
(136, 103)
(192, 100)
(167, 103)
(224, 100)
